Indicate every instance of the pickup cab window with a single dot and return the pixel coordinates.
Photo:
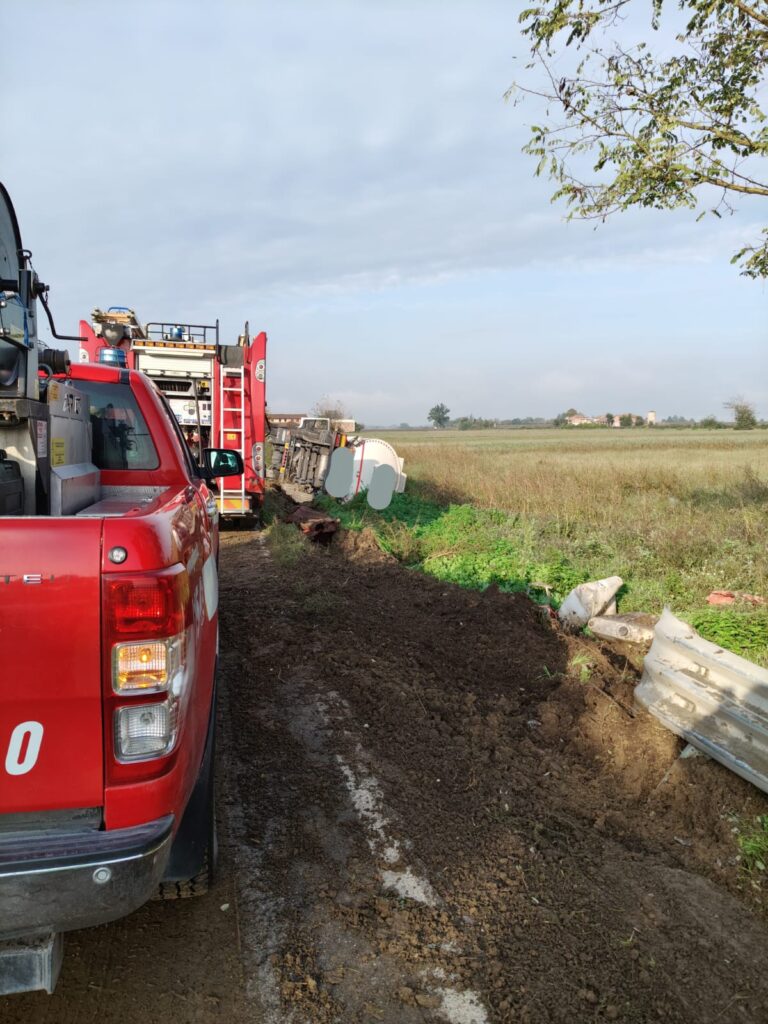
(121, 439)
(189, 458)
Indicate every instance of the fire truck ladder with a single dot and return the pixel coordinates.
(232, 422)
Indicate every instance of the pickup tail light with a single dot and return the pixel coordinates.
(145, 730)
(146, 605)
(146, 666)
(145, 617)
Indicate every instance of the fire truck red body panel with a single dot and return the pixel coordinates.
(242, 407)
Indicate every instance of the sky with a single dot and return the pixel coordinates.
(348, 177)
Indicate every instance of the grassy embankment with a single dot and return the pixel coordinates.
(675, 513)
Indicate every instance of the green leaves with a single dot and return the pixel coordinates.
(660, 127)
(754, 258)
(743, 631)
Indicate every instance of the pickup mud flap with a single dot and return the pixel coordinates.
(193, 839)
(31, 964)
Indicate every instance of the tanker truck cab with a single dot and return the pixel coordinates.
(109, 622)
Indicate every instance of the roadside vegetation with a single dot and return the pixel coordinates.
(285, 543)
(752, 841)
(675, 516)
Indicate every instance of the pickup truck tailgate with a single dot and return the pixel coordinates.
(51, 753)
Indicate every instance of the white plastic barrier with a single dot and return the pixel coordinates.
(588, 600)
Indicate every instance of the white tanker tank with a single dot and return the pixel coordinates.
(370, 455)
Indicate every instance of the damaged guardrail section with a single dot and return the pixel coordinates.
(714, 699)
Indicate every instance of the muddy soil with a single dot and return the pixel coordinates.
(456, 813)
(170, 961)
(433, 807)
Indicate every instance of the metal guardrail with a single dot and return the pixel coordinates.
(714, 699)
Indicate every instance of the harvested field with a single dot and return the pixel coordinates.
(675, 513)
(586, 473)
(449, 811)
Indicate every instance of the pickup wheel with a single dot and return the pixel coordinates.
(192, 863)
(198, 884)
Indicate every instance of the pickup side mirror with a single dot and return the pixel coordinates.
(221, 462)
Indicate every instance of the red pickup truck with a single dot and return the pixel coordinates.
(107, 713)
(109, 627)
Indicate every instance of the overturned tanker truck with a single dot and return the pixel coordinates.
(318, 454)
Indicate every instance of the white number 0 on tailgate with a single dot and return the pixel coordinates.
(23, 748)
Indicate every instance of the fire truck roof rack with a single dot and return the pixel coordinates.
(190, 334)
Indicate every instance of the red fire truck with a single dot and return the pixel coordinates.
(217, 392)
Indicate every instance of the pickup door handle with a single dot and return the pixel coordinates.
(211, 507)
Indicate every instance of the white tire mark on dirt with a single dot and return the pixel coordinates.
(368, 802)
(366, 797)
(461, 1007)
(410, 886)
(314, 721)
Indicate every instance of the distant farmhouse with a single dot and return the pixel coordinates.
(624, 419)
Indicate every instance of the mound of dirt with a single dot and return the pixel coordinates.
(360, 546)
(580, 871)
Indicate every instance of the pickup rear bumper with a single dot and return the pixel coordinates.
(58, 882)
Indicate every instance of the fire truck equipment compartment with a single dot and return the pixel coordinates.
(11, 489)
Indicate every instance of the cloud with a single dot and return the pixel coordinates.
(329, 167)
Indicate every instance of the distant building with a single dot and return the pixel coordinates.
(578, 419)
(635, 419)
(345, 426)
(292, 419)
(650, 419)
(285, 419)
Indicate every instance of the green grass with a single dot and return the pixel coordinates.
(675, 513)
(285, 543)
(744, 630)
(752, 840)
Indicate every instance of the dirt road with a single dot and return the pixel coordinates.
(434, 808)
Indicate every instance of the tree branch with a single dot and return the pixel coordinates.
(750, 12)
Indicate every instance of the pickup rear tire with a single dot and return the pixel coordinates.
(192, 864)
(200, 883)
